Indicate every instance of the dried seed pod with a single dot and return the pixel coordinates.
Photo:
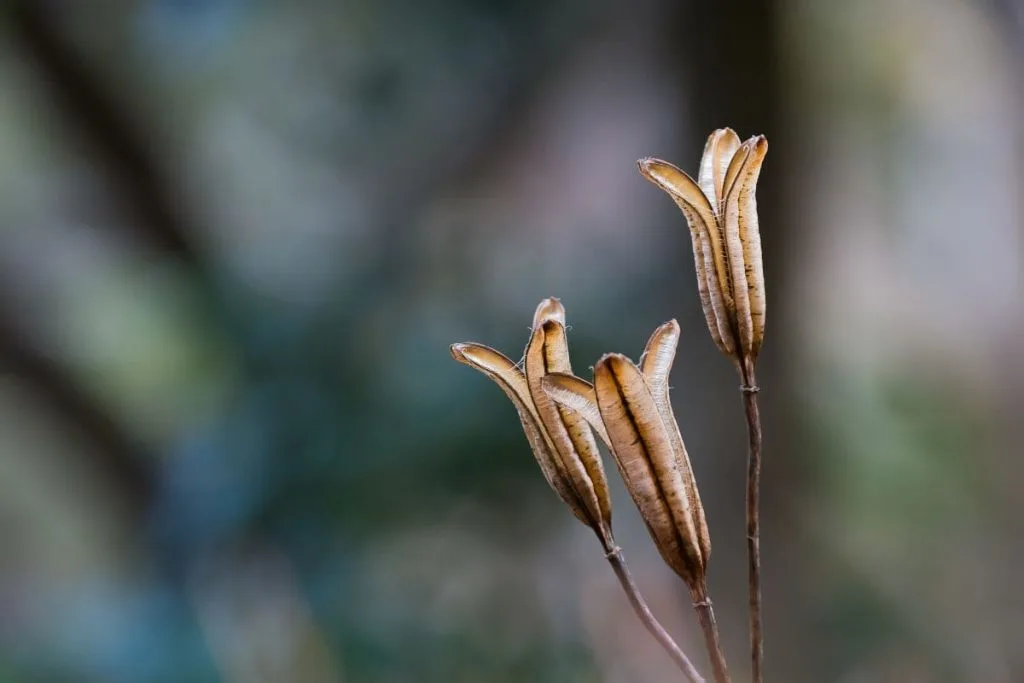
(656, 364)
(640, 430)
(561, 441)
(721, 211)
(510, 378)
(548, 351)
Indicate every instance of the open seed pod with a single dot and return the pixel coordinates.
(562, 442)
(628, 406)
(721, 210)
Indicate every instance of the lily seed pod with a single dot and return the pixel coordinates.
(628, 406)
(561, 441)
(721, 210)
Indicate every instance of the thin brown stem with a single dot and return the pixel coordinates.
(706, 617)
(618, 563)
(750, 389)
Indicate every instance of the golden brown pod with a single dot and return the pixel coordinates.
(721, 211)
(628, 407)
(548, 351)
(656, 364)
(562, 442)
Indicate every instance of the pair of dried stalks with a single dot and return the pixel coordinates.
(628, 404)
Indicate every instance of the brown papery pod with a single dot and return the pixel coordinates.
(562, 442)
(708, 252)
(721, 211)
(548, 351)
(656, 365)
(643, 447)
(741, 216)
(512, 381)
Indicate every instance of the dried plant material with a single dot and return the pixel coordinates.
(721, 211)
(643, 449)
(641, 433)
(562, 442)
(718, 153)
(702, 221)
(578, 395)
(656, 364)
(510, 378)
(629, 407)
(574, 444)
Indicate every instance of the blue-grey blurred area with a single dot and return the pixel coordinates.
(238, 236)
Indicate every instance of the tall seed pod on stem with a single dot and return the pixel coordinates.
(564, 446)
(721, 210)
(628, 406)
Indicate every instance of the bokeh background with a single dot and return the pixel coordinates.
(237, 237)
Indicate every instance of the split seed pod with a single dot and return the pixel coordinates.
(721, 210)
(561, 441)
(628, 406)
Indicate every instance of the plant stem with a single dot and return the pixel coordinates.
(618, 563)
(706, 617)
(750, 389)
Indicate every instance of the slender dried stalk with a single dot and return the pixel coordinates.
(618, 563)
(706, 617)
(750, 389)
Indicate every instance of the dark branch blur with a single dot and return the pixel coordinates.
(236, 238)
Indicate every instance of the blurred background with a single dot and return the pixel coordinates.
(237, 237)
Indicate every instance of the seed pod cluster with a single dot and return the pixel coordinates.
(628, 404)
(562, 443)
(721, 210)
(629, 407)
